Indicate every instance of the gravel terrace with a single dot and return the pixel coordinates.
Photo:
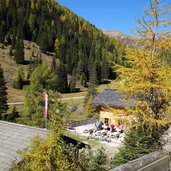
(110, 147)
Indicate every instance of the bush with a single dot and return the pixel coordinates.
(99, 161)
(138, 142)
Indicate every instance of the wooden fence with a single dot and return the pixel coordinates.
(73, 124)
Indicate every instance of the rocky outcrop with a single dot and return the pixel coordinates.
(166, 141)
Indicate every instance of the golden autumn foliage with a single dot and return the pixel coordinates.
(146, 81)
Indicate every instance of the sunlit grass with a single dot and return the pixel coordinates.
(92, 143)
(77, 117)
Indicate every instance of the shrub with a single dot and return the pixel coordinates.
(137, 142)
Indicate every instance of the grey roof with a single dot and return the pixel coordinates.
(111, 98)
(14, 137)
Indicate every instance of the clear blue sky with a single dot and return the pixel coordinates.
(108, 14)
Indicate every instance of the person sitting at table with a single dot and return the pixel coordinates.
(97, 124)
(121, 128)
(112, 127)
(105, 126)
(100, 126)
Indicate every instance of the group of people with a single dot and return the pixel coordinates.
(112, 128)
(117, 128)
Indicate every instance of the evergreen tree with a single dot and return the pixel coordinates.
(41, 79)
(91, 91)
(62, 81)
(2, 32)
(3, 94)
(70, 63)
(80, 68)
(57, 48)
(72, 84)
(138, 142)
(19, 78)
(105, 71)
(10, 52)
(83, 80)
(35, 60)
(99, 161)
(91, 61)
(11, 117)
(13, 43)
(43, 42)
(98, 72)
(30, 68)
(53, 65)
(19, 51)
(31, 21)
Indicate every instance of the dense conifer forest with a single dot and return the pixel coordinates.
(79, 47)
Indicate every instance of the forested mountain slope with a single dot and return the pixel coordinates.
(133, 42)
(78, 45)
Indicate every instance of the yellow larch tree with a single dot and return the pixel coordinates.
(146, 79)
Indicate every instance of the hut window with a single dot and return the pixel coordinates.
(107, 121)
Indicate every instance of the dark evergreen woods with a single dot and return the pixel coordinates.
(77, 44)
(3, 94)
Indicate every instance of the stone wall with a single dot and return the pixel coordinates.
(156, 161)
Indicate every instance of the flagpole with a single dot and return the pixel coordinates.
(46, 124)
(46, 109)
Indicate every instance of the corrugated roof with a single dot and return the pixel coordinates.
(14, 137)
(111, 98)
